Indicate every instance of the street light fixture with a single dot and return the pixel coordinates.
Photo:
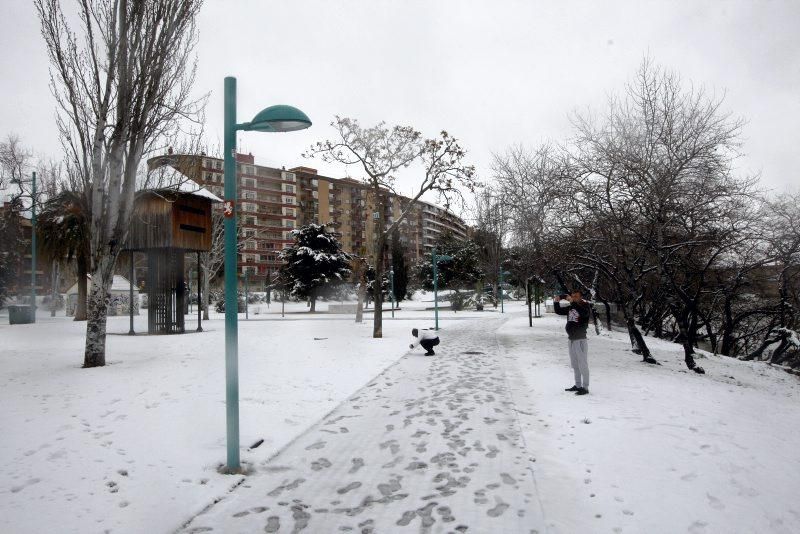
(272, 119)
(435, 259)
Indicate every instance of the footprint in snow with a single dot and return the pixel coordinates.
(273, 524)
(714, 502)
(498, 509)
(507, 479)
(349, 487)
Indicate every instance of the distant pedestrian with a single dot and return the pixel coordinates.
(578, 312)
(427, 338)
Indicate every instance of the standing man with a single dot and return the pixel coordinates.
(578, 312)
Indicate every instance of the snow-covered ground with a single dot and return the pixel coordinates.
(655, 448)
(134, 447)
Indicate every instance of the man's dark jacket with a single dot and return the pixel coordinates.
(578, 314)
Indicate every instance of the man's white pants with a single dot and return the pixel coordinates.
(579, 359)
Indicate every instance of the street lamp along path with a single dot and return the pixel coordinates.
(280, 118)
(32, 308)
(435, 259)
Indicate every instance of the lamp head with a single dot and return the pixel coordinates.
(278, 118)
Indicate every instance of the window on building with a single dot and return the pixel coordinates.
(288, 188)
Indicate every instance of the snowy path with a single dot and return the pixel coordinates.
(431, 445)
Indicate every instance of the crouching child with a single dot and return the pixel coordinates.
(426, 338)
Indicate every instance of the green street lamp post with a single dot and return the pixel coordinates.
(500, 287)
(199, 294)
(33, 246)
(391, 289)
(268, 286)
(435, 259)
(33, 242)
(272, 119)
(246, 294)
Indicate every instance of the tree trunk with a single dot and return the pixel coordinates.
(608, 314)
(687, 339)
(758, 353)
(712, 337)
(636, 336)
(97, 313)
(780, 354)
(377, 323)
(380, 243)
(313, 300)
(206, 299)
(54, 290)
(362, 291)
(728, 339)
(80, 307)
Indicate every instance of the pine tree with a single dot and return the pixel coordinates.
(399, 267)
(313, 263)
(463, 271)
(371, 285)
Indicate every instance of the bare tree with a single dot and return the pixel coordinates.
(212, 260)
(121, 83)
(783, 240)
(491, 216)
(16, 161)
(381, 152)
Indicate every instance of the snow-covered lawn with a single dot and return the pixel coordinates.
(655, 449)
(134, 446)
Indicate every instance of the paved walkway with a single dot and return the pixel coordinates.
(431, 445)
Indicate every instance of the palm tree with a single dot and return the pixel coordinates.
(63, 234)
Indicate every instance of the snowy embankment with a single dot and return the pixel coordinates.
(655, 448)
(134, 446)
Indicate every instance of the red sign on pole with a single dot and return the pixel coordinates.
(229, 208)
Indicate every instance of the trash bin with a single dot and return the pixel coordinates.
(20, 314)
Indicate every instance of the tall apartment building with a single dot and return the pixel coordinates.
(272, 202)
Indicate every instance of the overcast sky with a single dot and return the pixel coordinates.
(492, 73)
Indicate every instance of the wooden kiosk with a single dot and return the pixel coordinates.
(166, 224)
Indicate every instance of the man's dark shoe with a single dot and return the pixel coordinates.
(573, 388)
(430, 353)
(582, 391)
